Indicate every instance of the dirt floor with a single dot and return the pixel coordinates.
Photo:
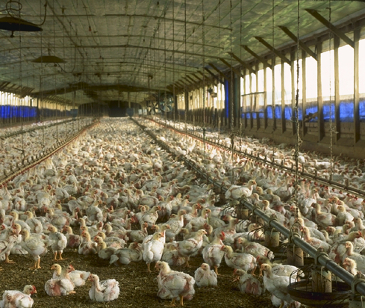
(137, 287)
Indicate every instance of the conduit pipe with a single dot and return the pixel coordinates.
(320, 257)
(304, 175)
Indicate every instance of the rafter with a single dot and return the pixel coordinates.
(301, 44)
(261, 59)
(245, 65)
(274, 50)
(331, 27)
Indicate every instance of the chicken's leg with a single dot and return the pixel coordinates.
(35, 265)
(7, 259)
(39, 263)
(148, 268)
(187, 262)
(172, 304)
(55, 256)
(61, 257)
(216, 269)
(181, 300)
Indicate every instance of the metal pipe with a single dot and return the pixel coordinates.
(315, 178)
(320, 257)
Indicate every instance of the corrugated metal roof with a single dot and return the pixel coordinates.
(118, 44)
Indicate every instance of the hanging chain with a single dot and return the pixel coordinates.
(186, 100)
(204, 91)
(296, 118)
(332, 129)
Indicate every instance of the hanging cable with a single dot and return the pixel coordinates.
(173, 63)
(332, 129)
(296, 116)
(273, 79)
(186, 96)
(240, 110)
(204, 91)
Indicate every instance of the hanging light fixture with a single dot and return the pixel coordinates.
(50, 58)
(12, 23)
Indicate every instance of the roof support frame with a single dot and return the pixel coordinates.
(275, 51)
(261, 59)
(331, 27)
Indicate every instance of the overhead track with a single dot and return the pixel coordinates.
(146, 47)
(169, 19)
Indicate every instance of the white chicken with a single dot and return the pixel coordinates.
(276, 285)
(174, 285)
(60, 284)
(77, 277)
(58, 242)
(35, 246)
(152, 250)
(247, 283)
(18, 299)
(243, 261)
(236, 192)
(212, 253)
(127, 255)
(205, 277)
(103, 291)
(190, 246)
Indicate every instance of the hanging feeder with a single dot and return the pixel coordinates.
(17, 24)
(48, 59)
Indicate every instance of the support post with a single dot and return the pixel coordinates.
(283, 121)
(336, 136)
(356, 86)
(320, 121)
(304, 91)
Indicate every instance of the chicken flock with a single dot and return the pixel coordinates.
(114, 193)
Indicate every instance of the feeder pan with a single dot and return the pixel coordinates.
(339, 297)
(48, 59)
(18, 24)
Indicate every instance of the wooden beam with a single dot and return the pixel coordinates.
(238, 72)
(261, 59)
(331, 27)
(191, 79)
(198, 78)
(211, 73)
(356, 86)
(223, 75)
(301, 44)
(277, 52)
(245, 65)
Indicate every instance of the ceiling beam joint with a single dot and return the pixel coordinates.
(301, 44)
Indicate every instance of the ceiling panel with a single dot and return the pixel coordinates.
(110, 43)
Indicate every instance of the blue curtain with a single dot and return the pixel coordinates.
(269, 112)
(226, 92)
(346, 111)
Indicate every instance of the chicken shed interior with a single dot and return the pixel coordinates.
(181, 133)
